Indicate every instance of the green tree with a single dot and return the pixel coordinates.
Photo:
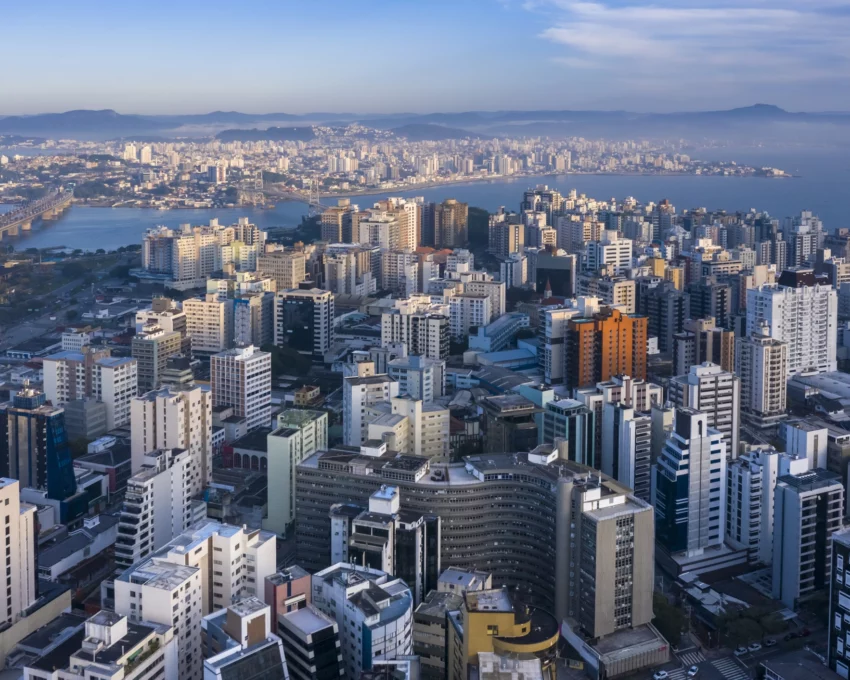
(74, 270)
(669, 620)
(72, 315)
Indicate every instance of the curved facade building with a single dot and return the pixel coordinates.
(507, 514)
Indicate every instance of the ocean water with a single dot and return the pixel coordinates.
(821, 184)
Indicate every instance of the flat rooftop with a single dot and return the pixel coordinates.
(308, 620)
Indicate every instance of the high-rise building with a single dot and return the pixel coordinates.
(34, 446)
(802, 312)
(750, 498)
(626, 447)
(157, 506)
(304, 320)
(400, 272)
(287, 268)
(701, 341)
(714, 392)
(838, 651)
(209, 323)
(336, 222)
(242, 378)
(109, 647)
(509, 423)
(299, 434)
(174, 418)
(506, 238)
(346, 593)
(410, 426)
(611, 254)
(253, 319)
(710, 299)
(762, 363)
(451, 224)
(21, 572)
(468, 310)
(689, 494)
(240, 641)
(524, 546)
(601, 346)
(358, 394)
(151, 348)
(92, 374)
(187, 579)
(808, 509)
(482, 283)
(614, 291)
(419, 377)
(384, 537)
(184, 258)
(423, 327)
(666, 308)
(313, 649)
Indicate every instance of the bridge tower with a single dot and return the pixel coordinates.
(314, 198)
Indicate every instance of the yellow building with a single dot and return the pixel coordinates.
(494, 621)
(677, 276)
(657, 266)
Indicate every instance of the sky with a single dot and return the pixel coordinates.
(390, 56)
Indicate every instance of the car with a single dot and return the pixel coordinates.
(790, 636)
(770, 642)
(740, 651)
(805, 632)
(693, 671)
(754, 647)
(659, 675)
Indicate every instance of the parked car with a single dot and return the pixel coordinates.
(660, 675)
(740, 651)
(770, 642)
(693, 671)
(754, 647)
(805, 632)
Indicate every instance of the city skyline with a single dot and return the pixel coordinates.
(391, 57)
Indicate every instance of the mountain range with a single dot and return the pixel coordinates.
(758, 121)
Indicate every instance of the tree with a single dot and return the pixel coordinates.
(669, 620)
(72, 314)
(74, 270)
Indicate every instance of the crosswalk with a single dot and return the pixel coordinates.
(691, 658)
(730, 669)
(678, 674)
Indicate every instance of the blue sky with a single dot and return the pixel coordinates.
(188, 56)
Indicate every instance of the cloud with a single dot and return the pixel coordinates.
(699, 44)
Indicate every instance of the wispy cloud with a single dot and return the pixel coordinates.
(696, 44)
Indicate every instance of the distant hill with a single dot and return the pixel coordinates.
(421, 132)
(82, 123)
(272, 134)
(761, 121)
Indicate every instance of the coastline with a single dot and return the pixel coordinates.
(282, 198)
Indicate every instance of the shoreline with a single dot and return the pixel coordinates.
(427, 185)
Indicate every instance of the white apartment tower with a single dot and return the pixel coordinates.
(359, 393)
(801, 311)
(207, 568)
(157, 506)
(467, 310)
(762, 363)
(20, 574)
(750, 499)
(242, 378)
(420, 325)
(209, 323)
(174, 418)
(714, 392)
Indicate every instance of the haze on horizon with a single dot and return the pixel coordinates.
(390, 56)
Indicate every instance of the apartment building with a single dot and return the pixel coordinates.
(242, 378)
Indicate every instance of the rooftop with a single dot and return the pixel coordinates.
(308, 620)
(255, 440)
